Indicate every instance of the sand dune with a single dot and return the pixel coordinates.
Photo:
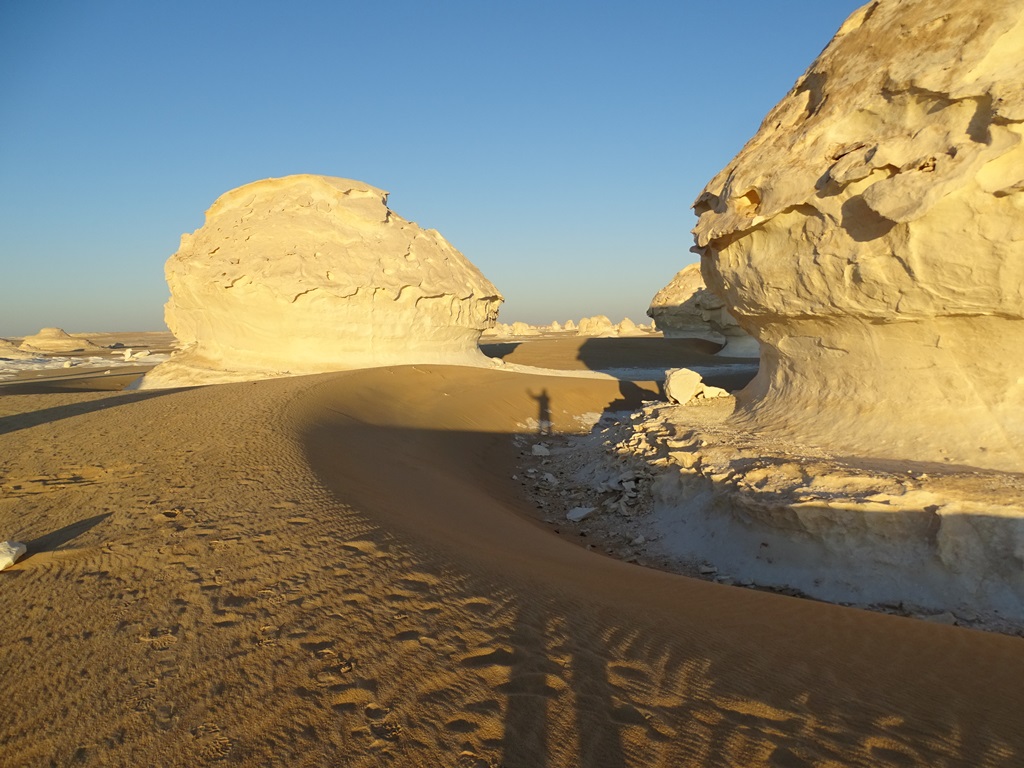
(334, 570)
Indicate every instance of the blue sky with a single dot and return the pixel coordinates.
(558, 145)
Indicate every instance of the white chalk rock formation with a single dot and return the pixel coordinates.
(56, 340)
(871, 237)
(628, 328)
(10, 551)
(598, 325)
(686, 309)
(10, 351)
(520, 328)
(313, 273)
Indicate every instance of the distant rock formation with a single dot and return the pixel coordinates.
(686, 309)
(10, 351)
(55, 340)
(599, 325)
(313, 273)
(871, 237)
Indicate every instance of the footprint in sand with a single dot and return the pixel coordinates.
(211, 744)
(160, 638)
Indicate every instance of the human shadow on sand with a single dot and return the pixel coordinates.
(607, 664)
(30, 419)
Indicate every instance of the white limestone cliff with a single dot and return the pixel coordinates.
(309, 273)
(871, 237)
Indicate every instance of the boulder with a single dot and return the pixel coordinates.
(307, 273)
(686, 309)
(871, 237)
(10, 551)
(682, 385)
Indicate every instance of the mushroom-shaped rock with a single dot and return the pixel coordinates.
(871, 237)
(307, 273)
(55, 340)
(686, 309)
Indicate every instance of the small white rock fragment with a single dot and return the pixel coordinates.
(710, 393)
(706, 570)
(540, 450)
(10, 551)
(941, 618)
(578, 513)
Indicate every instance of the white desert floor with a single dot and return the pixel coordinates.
(341, 570)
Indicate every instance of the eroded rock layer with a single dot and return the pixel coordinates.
(871, 237)
(686, 309)
(313, 273)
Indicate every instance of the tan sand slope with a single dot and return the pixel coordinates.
(331, 570)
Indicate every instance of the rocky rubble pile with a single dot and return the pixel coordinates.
(674, 487)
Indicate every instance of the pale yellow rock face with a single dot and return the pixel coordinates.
(871, 237)
(685, 308)
(313, 273)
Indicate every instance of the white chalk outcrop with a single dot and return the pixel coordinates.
(871, 237)
(307, 273)
(686, 309)
(599, 325)
(52, 340)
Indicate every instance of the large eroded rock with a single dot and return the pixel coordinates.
(313, 273)
(686, 309)
(871, 237)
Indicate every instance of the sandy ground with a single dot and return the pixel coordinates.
(340, 570)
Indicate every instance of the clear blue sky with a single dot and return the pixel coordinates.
(558, 145)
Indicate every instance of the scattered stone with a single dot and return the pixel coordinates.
(540, 450)
(579, 513)
(711, 393)
(706, 570)
(10, 551)
(941, 618)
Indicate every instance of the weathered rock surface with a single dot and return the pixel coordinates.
(55, 340)
(313, 273)
(686, 309)
(10, 551)
(871, 237)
